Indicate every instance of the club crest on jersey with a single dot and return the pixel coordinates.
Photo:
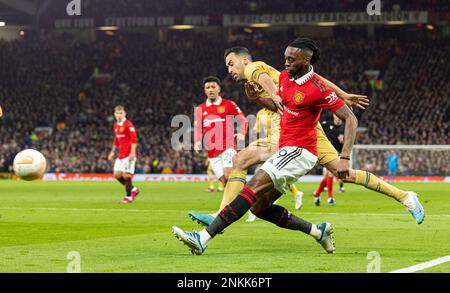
(121, 129)
(298, 97)
(221, 109)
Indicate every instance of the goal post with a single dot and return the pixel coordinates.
(415, 162)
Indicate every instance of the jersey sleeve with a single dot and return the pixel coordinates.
(116, 142)
(132, 133)
(254, 70)
(330, 101)
(198, 124)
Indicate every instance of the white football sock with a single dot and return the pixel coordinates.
(315, 232)
(204, 236)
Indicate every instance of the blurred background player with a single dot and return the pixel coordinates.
(125, 139)
(214, 120)
(334, 129)
(392, 164)
(212, 179)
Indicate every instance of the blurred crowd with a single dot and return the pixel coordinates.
(119, 8)
(58, 95)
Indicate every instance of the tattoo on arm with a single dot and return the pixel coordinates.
(351, 123)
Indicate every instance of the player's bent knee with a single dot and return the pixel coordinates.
(127, 175)
(118, 175)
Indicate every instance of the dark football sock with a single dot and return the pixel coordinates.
(121, 180)
(232, 212)
(128, 186)
(281, 217)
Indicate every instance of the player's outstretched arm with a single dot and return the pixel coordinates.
(351, 123)
(352, 100)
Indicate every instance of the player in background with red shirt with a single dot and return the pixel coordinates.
(125, 139)
(304, 95)
(214, 120)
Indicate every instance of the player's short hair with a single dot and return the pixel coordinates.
(119, 108)
(238, 51)
(304, 42)
(212, 79)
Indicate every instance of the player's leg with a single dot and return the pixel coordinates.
(119, 176)
(118, 170)
(328, 158)
(341, 185)
(265, 208)
(330, 180)
(279, 172)
(319, 190)
(220, 186)
(246, 158)
(409, 199)
(197, 242)
(243, 160)
(131, 191)
(211, 178)
(298, 196)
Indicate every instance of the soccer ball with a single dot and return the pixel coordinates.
(29, 164)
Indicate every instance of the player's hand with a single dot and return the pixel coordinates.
(252, 90)
(278, 103)
(343, 169)
(197, 147)
(132, 157)
(358, 101)
(111, 156)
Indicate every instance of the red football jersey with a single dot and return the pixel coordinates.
(125, 136)
(304, 99)
(216, 122)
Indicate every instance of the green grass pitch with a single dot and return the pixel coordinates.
(41, 222)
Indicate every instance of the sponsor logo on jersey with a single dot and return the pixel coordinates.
(291, 112)
(331, 98)
(299, 97)
(208, 122)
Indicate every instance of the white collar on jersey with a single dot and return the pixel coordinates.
(121, 123)
(301, 80)
(216, 103)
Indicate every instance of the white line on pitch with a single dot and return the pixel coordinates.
(424, 265)
(149, 211)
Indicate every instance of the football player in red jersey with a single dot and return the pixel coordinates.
(304, 95)
(214, 120)
(125, 139)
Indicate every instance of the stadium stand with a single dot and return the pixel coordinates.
(68, 113)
